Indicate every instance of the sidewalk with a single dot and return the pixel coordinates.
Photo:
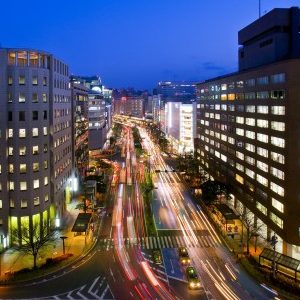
(12, 260)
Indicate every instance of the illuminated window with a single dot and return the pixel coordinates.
(279, 142)
(250, 108)
(261, 208)
(277, 173)
(262, 137)
(10, 168)
(278, 110)
(277, 157)
(46, 197)
(262, 123)
(262, 180)
(10, 151)
(22, 97)
(34, 80)
(278, 221)
(11, 185)
(279, 126)
(36, 201)
(278, 94)
(240, 120)
(11, 203)
(10, 80)
(263, 80)
(239, 155)
(239, 131)
(44, 97)
(23, 203)
(278, 78)
(35, 167)
(250, 147)
(278, 205)
(250, 121)
(35, 150)
(250, 95)
(46, 181)
(36, 183)
(250, 134)
(239, 167)
(239, 178)
(22, 133)
(277, 189)
(22, 150)
(262, 166)
(23, 168)
(262, 152)
(45, 164)
(21, 80)
(45, 130)
(35, 132)
(231, 97)
(250, 82)
(23, 185)
(224, 87)
(262, 109)
(250, 173)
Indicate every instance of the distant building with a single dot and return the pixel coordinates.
(180, 125)
(80, 127)
(36, 142)
(248, 127)
(176, 90)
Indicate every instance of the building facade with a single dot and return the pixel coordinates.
(36, 152)
(248, 136)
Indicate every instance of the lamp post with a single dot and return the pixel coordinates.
(274, 240)
(63, 240)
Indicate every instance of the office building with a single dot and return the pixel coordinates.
(180, 125)
(36, 152)
(180, 90)
(248, 129)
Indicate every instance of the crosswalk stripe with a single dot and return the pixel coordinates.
(150, 242)
(154, 242)
(166, 240)
(162, 241)
(182, 241)
(177, 240)
(200, 241)
(174, 242)
(158, 243)
(171, 246)
(212, 242)
(147, 242)
(205, 241)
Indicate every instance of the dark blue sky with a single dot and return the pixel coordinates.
(134, 42)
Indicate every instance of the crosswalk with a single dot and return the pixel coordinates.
(97, 289)
(160, 242)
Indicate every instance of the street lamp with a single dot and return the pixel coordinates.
(274, 240)
(63, 240)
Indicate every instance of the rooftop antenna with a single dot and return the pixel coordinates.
(259, 9)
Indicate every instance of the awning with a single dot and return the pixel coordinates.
(81, 223)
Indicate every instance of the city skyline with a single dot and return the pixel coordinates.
(135, 44)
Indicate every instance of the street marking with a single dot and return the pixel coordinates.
(158, 243)
(170, 242)
(150, 242)
(154, 242)
(162, 242)
(166, 240)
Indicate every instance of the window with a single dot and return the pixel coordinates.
(261, 208)
(22, 150)
(35, 167)
(262, 123)
(239, 178)
(23, 203)
(277, 157)
(262, 109)
(35, 98)
(23, 185)
(276, 220)
(239, 167)
(34, 80)
(278, 205)
(22, 97)
(263, 80)
(262, 180)
(36, 201)
(240, 120)
(262, 166)
(278, 94)
(9, 80)
(278, 110)
(10, 132)
(46, 197)
(45, 148)
(239, 131)
(250, 173)
(250, 82)
(11, 185)
(1, 205)
(44, 81)
(35, 132)
(10, 116)
(21, 115)
(35, 150)
(276, 141)
(250, 108)
(277, 189)
(279, 126)
(46, 181)
(250, 121)
(262, 137)
(11, 203)
(250, 134)
(278, 78)
(239, 155)
(21, 80)
(223, 96)
(9, 97)
(10, 151)
(277, 173)
(250, 147)
(250, 95)
(23, 168)
(36, 183)
(45, 164)
(45, 114)
(35, 115)
(262, 152)
(22, 133)
(45, 130)
(224, 87)
(44, 97)
(10, 168)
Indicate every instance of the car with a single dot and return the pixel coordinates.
(156, 257)
(183, 256)
(192, 278)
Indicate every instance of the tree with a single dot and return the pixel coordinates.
(32, 237)
(84, 204)
(212, 190)
(252, 229)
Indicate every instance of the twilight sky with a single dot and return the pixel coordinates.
(134, 42)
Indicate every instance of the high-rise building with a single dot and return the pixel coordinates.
(180, 90)
(80, 127)
(36, 152)
(248, 128)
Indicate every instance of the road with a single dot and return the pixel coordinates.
(120, 265)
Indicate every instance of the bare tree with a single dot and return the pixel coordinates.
(32, 237)
(251, 226)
